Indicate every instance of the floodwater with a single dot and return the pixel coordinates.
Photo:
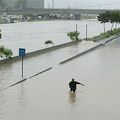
(11, 72)
(32, 35)
(47, 96)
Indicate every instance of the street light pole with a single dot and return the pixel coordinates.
(86, 31)
(53, 3)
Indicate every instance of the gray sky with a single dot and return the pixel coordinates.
(96, 4)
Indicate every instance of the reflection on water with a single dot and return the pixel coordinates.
(72, 97)
(72, 106)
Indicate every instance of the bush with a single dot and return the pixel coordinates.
(5, 52)
(73, 35)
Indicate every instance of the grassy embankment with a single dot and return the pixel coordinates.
(105, 35)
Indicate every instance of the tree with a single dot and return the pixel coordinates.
(21, 4)
(117, 18)
(2, 4)
(5, 52)
(103, 18)
(114, 18)
(73, 35)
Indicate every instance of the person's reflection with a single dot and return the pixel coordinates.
(72, 97)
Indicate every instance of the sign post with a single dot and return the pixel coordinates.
(22, 54)
(0, 34)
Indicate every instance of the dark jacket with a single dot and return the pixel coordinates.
(72, 85)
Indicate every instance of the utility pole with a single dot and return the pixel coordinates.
(76, 33)
(76, 28)
(86, 31)
(53, 3)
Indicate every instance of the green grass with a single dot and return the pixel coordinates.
(105, 35)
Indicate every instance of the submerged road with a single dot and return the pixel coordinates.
(11, 72)
(47, 96)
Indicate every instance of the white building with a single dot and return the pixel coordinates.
(30, 3)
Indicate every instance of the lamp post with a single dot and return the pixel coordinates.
(53, 3)
(86, 31)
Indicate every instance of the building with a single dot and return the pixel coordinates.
(35, 4)
(30, 3)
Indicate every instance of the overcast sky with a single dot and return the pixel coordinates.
(96, 4)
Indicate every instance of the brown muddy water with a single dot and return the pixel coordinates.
(47, 96)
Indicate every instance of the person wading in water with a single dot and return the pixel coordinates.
(73, 85)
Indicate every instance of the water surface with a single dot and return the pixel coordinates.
(32, 35)
(47, 96)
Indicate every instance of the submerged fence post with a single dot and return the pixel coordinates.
(76, 27)
(86, 31)
(0, 34)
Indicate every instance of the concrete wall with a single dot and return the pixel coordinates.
(82, 53)
(39, 52)
(90, 49)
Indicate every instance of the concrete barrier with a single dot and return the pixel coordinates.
(40, 73)
(82, 53)
(42, 51)
(23, 80)
(90, 49)
(111, 39)
(13, 84)
(46, 50)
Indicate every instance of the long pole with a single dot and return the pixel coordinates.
(76, 32)
(53, 4)
(86, 31)
(22, 66)
(76, 27)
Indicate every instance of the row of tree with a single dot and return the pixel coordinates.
(113, 17)
(20, 4)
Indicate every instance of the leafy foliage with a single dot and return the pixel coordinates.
(103, 17)
(5, 52)
(73, 35)
(112, 17)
